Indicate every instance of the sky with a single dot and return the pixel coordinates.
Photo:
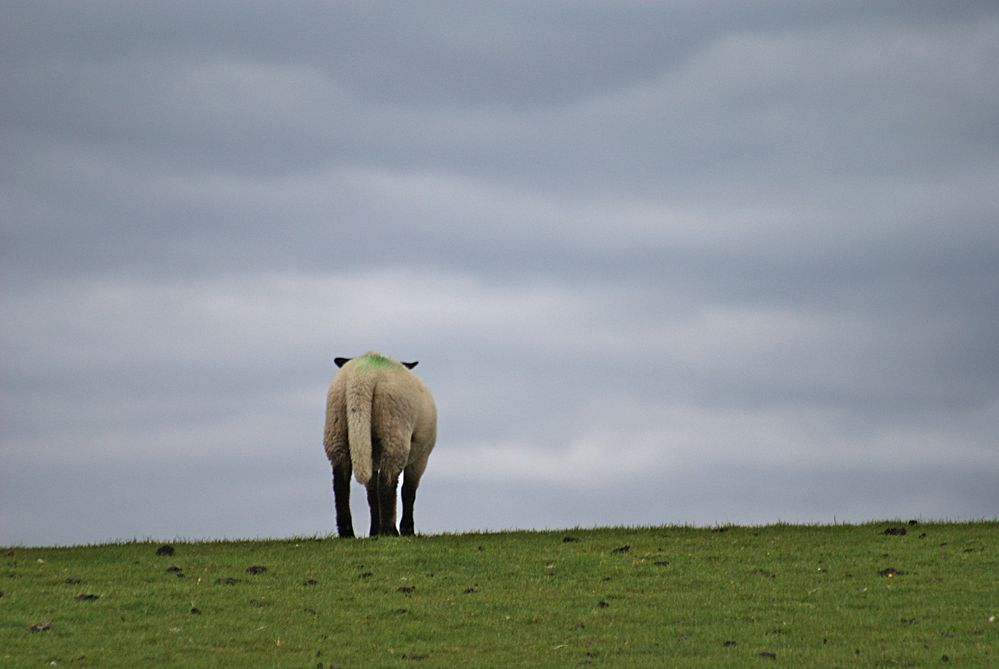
(661, 263)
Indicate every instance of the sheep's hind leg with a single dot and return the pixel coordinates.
(413, 473)
(373, 506)
(406, 526)
(381, 501)
(341, 497)
(388, 485)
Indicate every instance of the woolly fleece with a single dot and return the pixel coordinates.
(379, 417)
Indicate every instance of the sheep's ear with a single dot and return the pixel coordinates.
(411, 365)
(340, 362)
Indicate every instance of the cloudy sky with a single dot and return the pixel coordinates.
(729, 262)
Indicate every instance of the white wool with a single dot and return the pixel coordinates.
(378, 409)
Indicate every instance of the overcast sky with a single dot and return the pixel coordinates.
(689, 262)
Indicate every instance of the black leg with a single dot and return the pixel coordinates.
(387, 487)
(341, 498)
(373, 506)
(406, 526)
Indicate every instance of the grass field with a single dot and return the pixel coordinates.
(793, 596)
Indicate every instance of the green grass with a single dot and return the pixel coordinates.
(791, 596)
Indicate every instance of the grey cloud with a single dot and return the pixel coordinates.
(379, 89)
(749, 248)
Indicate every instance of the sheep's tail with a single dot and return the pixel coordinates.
(359, 397)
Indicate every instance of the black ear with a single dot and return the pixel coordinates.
(340, 362)
(411, 365)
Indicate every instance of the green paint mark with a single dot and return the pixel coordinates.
(371, 360)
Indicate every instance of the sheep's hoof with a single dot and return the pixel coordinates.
(346, 533)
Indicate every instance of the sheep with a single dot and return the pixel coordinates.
(380, 421)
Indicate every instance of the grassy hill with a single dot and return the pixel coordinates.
(795, 596)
